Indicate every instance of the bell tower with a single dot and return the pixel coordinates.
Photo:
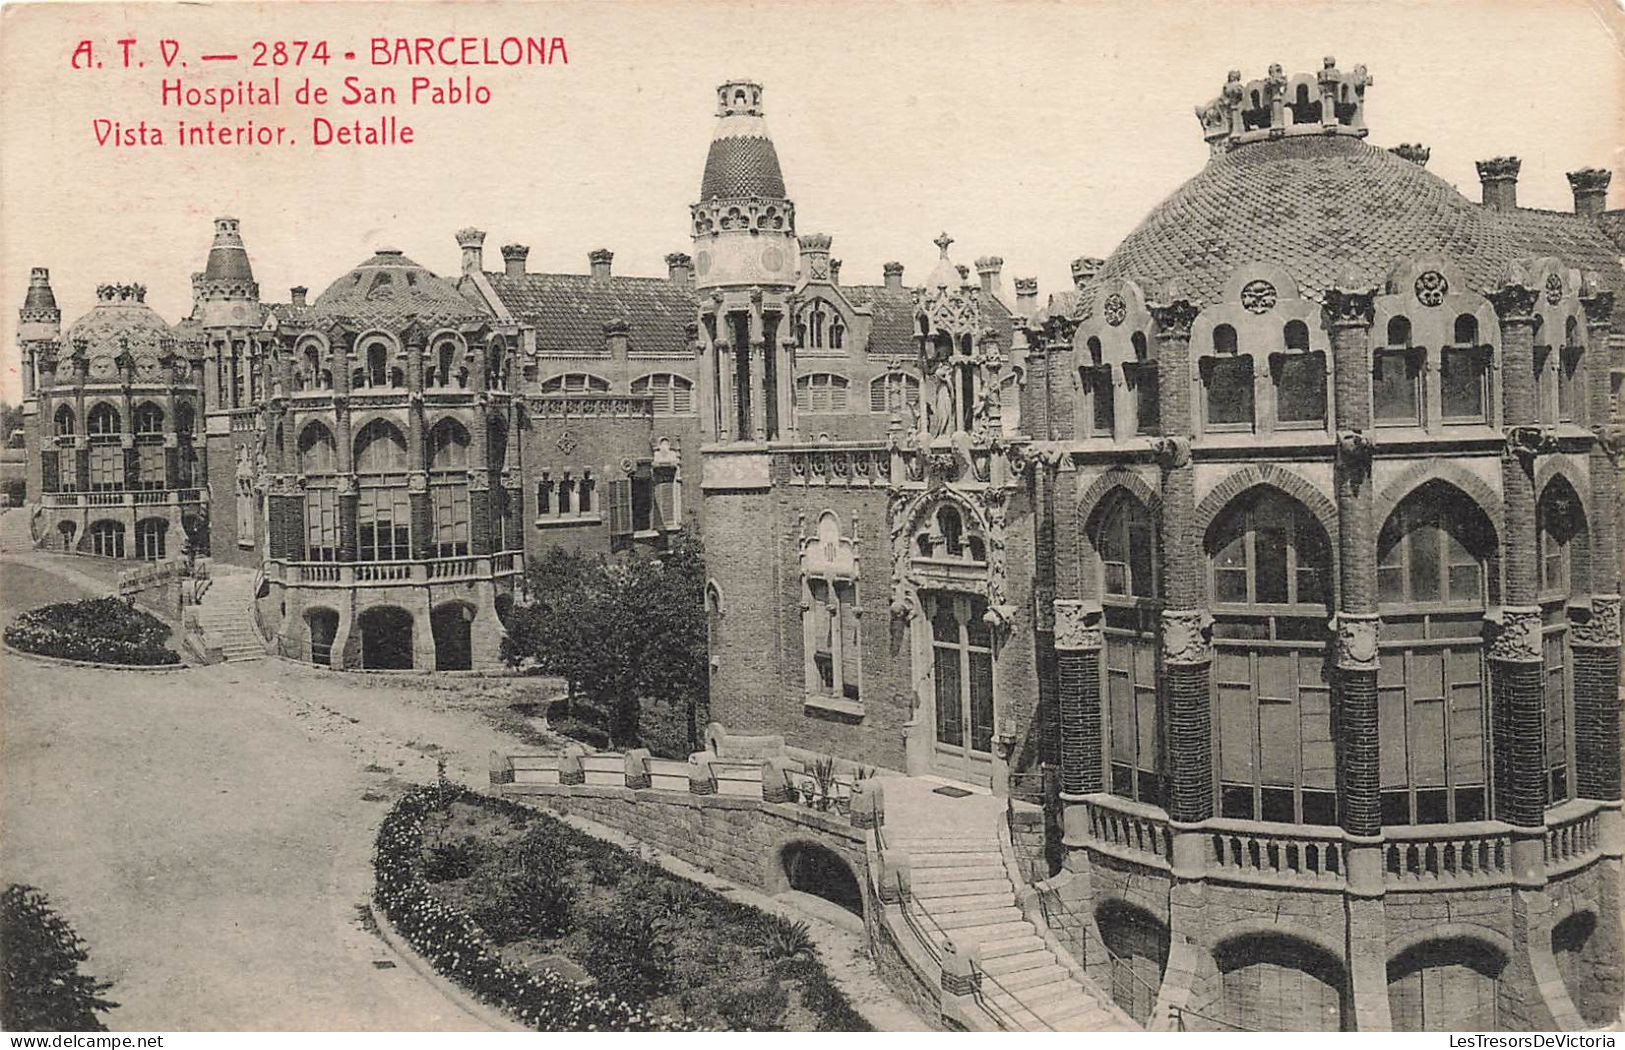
(745, 254)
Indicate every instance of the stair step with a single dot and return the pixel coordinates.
(1014, 963)
(939, 907)
(1036, 977)
(994, 949)
(934, 876)
(924, 861)
(969, 918)
(968, 844)
(992, 933)
(973, 888)
(1043, 999)
(1088, 1017)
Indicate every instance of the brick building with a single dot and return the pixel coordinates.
(1295, 555)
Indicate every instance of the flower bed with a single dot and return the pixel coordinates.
(570, 933)
(94, 630)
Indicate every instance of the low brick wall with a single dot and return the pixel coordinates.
(738, 838)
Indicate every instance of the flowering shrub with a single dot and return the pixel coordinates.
(95, 630)
(457, 948)
(41, 988)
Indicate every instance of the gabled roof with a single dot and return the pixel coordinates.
(893, 311)
(569, 310)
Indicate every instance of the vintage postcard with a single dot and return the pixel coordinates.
(751, 516)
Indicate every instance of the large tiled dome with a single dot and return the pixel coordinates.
(1320, 207)
(392, 291)
(121, 320)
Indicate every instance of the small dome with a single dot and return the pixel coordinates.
(1323, 208)
(121, 320)
(389, 290)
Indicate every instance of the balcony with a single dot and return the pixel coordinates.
(1415, 858)
(123, 498)
(386, 573)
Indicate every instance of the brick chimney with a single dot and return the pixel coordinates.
(513, 259)
(1590, 186)
(616, 332)
(297, 293)
(964, 275)
(680, 269)
(1499, 177)
(989, 268)
(472, 242)
(599, 259)
(1084, 269)
(894, 275)
(1026, 296)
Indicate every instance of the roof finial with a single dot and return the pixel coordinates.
(942, 242)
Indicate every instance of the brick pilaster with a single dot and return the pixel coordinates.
(422, 514)
(1186, 651)
(1354, 681)
(1077, 654)
(1516, 674)
(349, 505)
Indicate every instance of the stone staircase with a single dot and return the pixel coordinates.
(959, 880)
(16, 535)
(226, 616)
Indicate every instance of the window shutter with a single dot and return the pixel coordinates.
(682, 396)
(620, 507)
(878, 399)
(837, 394)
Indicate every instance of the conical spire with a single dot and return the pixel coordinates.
(228, 259)
(945, 274)
(742, 162)
(40, 302)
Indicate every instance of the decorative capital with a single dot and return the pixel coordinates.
(1349, 303)
(1356, 640)
(1513, 299)
(1514, 635)
(1497, 168)
(1174, 313)
(1597, 300)
(1077, 626)
(1171, 452)
(1354, 451)
(1528, 442)
(1601, 628)
(1187, 636)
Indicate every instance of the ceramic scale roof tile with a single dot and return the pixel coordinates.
(389, 290)
(892, 332)
(1315, 206)
(569, 310)
(1578, 241)
(741, 166)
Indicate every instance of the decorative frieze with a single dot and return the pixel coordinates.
(1514, 635)
(1077, 626)
(1602, 628)
(845, 467)
(1355, 637)
(1187, 636)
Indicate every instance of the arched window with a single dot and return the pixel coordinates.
(1224, 339)
(64, 421)
(1570, 386)
(1300, 381)
(821, 392)
(1125, 542)
(815, 327)
(1435, 577)
(380, 448)
(837, 333)
(496, 365)
(149, 539)
(1565, 571)
(149, 419)
(1227, 379)
(318, 454)
(575, 383)
(895, 390)
(1396, 378)
(107, 539)
(1464, 368)
(1466, 333)
(185, 420)
(1270, 562)
(1296, 336)
(1399, 331)
(445, 367)
(104, 421)
(946, 536)
(1095, 351)
(448, 446)
(673, 394)
(376, 355)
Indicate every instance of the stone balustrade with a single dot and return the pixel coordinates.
(1126, 827)
(1422, 856)
(1574, 834)
(1276, 852)
(849, 466)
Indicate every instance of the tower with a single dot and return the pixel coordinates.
(39, 337)
(744, 269)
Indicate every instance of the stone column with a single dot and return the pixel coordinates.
(1516, 674)
(1078, 642)
(1596, 642)
(758, 372)
(1186, 650)
(349, 498)
(1348, 315)
(417, 448)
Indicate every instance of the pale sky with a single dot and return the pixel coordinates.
(1036, 131)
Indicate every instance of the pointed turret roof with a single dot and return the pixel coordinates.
(742, 161)
(228, 259)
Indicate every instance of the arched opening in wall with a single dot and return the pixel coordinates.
(1125, 557)
(1274, 982)
(67, 530)
(386, 639)
(452, 625)
(1590, 974)
(151, 535)
(820, 871)
(106, 539)
(323, 625)
(1451, 984)
(1138, 943)
(504, 607)
(1565, 575)
(197, 534)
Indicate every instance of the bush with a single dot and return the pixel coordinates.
(630, 946)
(41, 988)
(94, 630)
(755, 1006)
(459, 949)
(524, 893)
(449, 861)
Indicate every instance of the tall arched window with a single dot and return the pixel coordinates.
(1125, 543)
(821, 392)
(376, 356)
(317, 452)
(1436, 569)
(64, 421)
(448, 446)
(1464, 368)
(1227, 382)
(149, 419)
(104, 421)
(1270, 563)
(1565, 570)
(673, 394)
(107, 539)
(380, 448)
(446, 368)
(1396, 378)
(1570, 385)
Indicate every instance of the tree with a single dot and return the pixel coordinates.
(11, 419)
(41, 988)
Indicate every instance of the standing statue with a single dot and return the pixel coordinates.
(942, 411)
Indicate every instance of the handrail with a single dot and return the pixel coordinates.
(1060, 902)
(1000, 1015)
(919, 931)
(1177, 1015)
